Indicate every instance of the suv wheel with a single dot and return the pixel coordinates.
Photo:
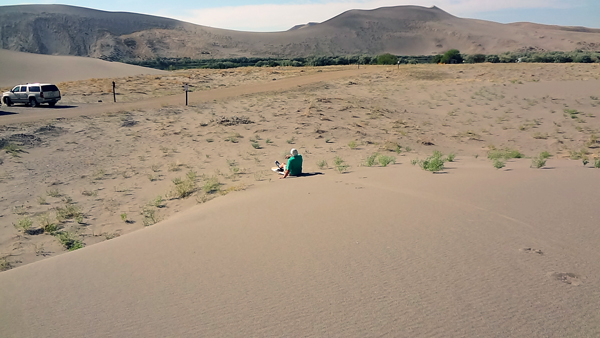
(8, 102)
(33, 102)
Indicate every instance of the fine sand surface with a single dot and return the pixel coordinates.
(18, 68)
(395, 252)
(226, 248)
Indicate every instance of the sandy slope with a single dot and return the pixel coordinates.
(395, 251)
(392, 252)
(18, 68)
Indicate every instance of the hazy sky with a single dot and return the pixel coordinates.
(274, 15)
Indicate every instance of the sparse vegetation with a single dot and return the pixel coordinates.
(69, 240)
(385, 160)
(12, 149)
(498, 163)
(70, 211)
(340, 164)
(538, 161)
(352, 144)
(124, 217)
(24, 224)
(505, 154)
(46, 223)
(433, 163)
(53, 193)
(450, 157)
(322, 164)
(371, 159)
(211, 185)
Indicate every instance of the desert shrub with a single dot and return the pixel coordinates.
(387, 59)
(46, 223)
(505, 154)
(69, 240)
(340, 165)
(450, 157)
(322, 164)
(371, 159)
(538, 162)
(70, 211)
(545, 155)
(352, 144)
(211, 185)
(184, 188)
(385, 160)
(433, 163)
(499, 164)
(24, 224)
(597, 163)
(149, 216)
(255, 145)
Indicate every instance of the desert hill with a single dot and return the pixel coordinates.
(403, 30)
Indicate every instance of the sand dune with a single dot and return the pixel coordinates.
(392, 252)
(348, 251)
(20, 68)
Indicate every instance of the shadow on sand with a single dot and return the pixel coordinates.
(6, 113)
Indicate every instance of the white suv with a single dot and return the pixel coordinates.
(32, 94)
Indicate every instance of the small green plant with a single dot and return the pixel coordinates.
(191, 175)
(385, 160)
(340, 165)
(505, 154)
(371, 159)
(597, 163)
(155, 168)
(53, 193)
(41, 200)
(69, 240)
(255, 145)
(545, 155)
(322, 164)
(70, 211)
(268, 141)
(450, 157)
(291, 141)
(79, 219)
(12, 149)
(498, 163)
(4, 264)
(414, 162)
(124, 217)
(407, 149)
(433, 163)
(24, 224)
(352, 144)
(46, 223)
(157, 202)
(538, 162)
(183, 188)
(152, 178)
(98, 175)
(211, 185)
(150, 217)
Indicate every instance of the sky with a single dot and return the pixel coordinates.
(279, 15)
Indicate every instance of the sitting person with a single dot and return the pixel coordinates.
(293, 166)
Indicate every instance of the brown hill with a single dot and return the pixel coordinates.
(403, 30)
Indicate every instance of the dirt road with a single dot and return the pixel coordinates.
(20, 114)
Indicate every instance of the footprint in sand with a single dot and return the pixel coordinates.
(532, 250)
(567, 278)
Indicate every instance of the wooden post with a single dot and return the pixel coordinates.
(186, 90)
(114, 94)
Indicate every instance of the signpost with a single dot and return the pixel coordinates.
(114, 94)
(186, 87)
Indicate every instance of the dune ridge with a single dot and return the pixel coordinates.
(378, 252)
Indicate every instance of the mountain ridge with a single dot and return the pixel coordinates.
(401, 30)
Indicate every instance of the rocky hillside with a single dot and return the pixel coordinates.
(402, 30)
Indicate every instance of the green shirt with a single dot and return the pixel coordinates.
(294, 165)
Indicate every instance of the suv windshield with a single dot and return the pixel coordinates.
(49, 88)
